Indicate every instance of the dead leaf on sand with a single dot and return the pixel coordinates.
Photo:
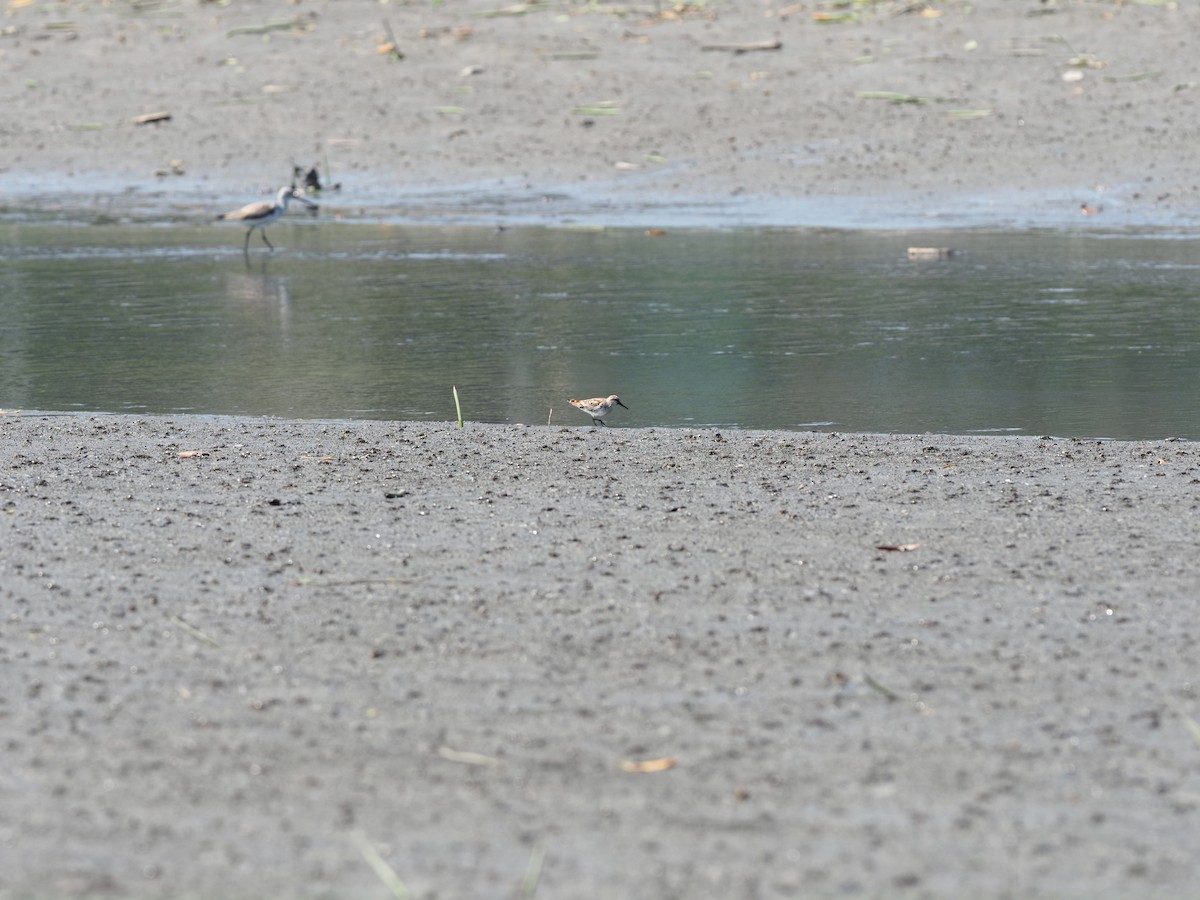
(649, 766)
(897, 548)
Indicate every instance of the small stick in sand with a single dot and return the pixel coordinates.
(745, 48)
(392, 40)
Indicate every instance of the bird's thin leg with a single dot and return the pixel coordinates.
(263, 232)
(601, 421)
(246, 246)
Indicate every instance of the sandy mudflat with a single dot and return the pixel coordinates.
(231, 645)
(1010, 113)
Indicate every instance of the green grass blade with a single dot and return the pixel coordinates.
(533, 873)
(377, 863)
(1189, 723)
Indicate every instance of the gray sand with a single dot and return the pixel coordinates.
(239, 673)
(1030, 110)
(233, 648)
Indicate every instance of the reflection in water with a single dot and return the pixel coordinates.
(257, 291)
(1018, 333)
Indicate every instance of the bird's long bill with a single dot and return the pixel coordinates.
(622, 405)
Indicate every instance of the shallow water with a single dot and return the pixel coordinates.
(1063, 333)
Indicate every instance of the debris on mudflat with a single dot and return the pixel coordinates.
(311, 180)
(930, 252)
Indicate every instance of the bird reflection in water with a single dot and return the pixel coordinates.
(261, 294)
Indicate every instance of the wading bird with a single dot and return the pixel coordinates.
(598, 407)
(260, 215)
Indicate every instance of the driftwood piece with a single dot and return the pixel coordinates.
(746, 48)
(147, 118)
(930, 252)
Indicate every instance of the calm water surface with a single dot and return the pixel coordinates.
(1029, 333)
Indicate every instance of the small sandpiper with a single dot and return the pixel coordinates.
(598, 407)
(260, 215)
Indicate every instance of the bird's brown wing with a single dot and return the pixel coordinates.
(249, 211)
